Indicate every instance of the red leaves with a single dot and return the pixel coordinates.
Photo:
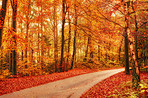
(15, 84)
(110, 86)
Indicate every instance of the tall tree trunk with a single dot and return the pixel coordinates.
(2, 18)
(136, 73)
(26, 37)
(126, 53)
(42, 48)
(9, 51)
(14, 37)
(69, 39)
(127, 71)
(75, 32)
(55, 36)
(63, 24)
(136, 33)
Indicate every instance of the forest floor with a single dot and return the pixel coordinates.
(19, 83)
(72, 87)
(119, 86)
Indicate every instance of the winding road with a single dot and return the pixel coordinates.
(72, 87)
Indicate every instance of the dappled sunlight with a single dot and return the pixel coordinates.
(46, 37)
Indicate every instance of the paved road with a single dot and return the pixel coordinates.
(72, 87)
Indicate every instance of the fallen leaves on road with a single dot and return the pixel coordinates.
(112, 86)
(16, 84)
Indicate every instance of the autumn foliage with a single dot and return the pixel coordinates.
(40, 37)
(118, 85)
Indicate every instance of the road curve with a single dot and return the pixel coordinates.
(72, 87)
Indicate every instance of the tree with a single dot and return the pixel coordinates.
(126, 53)
(42, 48)
(27, 29)
(14, 15)
(62, 36)
(75, 32)
(55, 35)
(69, 37)
(2, 18)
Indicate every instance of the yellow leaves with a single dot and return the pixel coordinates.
(1, 77)
(4, 74)
(27, 68)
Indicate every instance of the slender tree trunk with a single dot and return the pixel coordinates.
(109, 51)
(106, 55)
(38, 44)
(86, 52)
(91, 50)
(75, 32)
(22, 55)
(69, 40)
(98, 53)
(9, 51)
(10, 61)
(136, 31)
(55, 36)
(119, 54)
(120, 50)
(42, 48)
(145, 58)
(63, 24)
(31, 45)
(14, 37)
(26, 37)
(31, 54)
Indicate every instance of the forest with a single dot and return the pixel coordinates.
(40, 37)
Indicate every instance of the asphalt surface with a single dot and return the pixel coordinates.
(72, 87)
